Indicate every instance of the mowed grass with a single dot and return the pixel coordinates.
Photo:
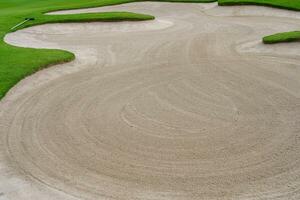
(285, 4)
(17, 63)
(282, 37)
(186, 1)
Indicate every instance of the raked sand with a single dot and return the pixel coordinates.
(190, 106)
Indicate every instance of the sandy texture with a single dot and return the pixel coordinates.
(189, 106)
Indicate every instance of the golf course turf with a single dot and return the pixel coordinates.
(282, 37)
(285, 4)
(17, 63)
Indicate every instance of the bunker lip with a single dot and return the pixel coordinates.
(23, 38)
(195, 106)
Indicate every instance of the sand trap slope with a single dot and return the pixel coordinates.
(189, 106)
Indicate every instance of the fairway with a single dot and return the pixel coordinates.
(190, 105)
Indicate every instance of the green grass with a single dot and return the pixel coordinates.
(186, 1)
(88, 17)
(17, 63)
(284, 4)
(282, 37)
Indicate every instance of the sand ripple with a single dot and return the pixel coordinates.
(189, 106)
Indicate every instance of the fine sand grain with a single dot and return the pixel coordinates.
(190, 106)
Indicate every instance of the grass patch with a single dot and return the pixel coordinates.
(17, 63)
(88, 17)
(285, 4)
(282, 37)
(186, 1)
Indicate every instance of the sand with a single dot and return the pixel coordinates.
(189, 106)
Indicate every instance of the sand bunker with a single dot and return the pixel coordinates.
(189, 106)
